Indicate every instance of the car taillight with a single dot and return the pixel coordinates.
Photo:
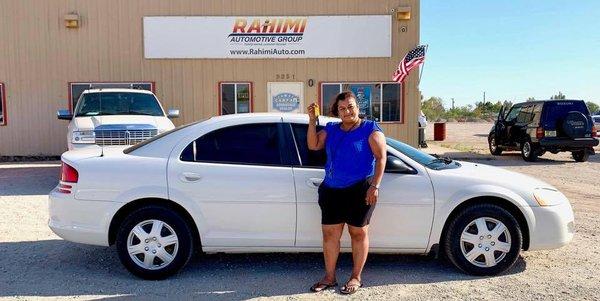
(539, 133)
(68, 174)
(594, 132)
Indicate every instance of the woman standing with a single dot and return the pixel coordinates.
(356, 156)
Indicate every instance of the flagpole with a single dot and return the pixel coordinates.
(422, 66)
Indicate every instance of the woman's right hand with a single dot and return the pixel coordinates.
(312, 108)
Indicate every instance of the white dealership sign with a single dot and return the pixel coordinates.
(268, 37)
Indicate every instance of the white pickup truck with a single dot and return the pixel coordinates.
(107, 117)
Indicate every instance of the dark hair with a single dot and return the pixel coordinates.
(333, 111)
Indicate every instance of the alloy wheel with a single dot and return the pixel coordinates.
(526, 149)
(493, 144)
(152, 244)
(485, 242)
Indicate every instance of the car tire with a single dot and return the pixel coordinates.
(575, 124)
(581, 156)
(528, 151)
(161, 239)
(494, 148)
(490, 255)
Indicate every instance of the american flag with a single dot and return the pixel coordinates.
(412, 59)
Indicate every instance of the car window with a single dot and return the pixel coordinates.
(117, 103)
(597, 119)
(259, 143)
(512, 114)
(309, 158)
(525, 114)
(537, 113)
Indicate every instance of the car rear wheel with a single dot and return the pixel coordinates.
(494, 148)
(483, 240)
(581, 156)
(154, 242)
(528, 151)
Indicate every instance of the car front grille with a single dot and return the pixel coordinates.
(107, 137)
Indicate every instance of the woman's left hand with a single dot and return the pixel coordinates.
(372, 195)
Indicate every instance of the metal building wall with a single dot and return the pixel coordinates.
(39, 56)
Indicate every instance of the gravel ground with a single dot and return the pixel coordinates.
(36, 264)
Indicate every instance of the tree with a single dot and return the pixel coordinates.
(531, 98)
(593, 107)
(558, 96)
(433, 108)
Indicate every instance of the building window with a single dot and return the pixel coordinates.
(379, 101)
(2, 105)
(75, 89)
(235, 98)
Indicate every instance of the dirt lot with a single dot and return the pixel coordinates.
(36, 264)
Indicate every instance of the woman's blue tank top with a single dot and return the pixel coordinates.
(349, 155)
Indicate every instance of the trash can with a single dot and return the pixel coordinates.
(439, 131)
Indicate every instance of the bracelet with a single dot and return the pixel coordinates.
(374, 186)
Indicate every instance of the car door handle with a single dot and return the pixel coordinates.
(314, 182)
(189, 177)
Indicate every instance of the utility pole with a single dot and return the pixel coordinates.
(452, 103)
(483, 96)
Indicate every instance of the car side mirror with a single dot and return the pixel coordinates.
(173, 113)
(64, 114)
(395, 165)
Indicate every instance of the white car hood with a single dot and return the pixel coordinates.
(490, 174)
(90, 123)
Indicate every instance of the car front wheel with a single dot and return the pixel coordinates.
(483, 239)
(493, 144)
(154, 242)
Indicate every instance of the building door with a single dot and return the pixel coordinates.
(286, 97)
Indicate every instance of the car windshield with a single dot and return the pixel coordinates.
(118, 103)
(420, 157)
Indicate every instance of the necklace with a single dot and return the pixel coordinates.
(336, 147)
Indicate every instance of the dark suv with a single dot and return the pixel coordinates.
(539, 126)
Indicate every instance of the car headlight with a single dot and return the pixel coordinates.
(548, 196)
(84, 137)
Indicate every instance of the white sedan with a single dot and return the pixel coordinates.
(248, 183)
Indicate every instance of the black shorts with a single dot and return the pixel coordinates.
(345, 205)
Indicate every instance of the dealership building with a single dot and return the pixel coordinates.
(205, 58)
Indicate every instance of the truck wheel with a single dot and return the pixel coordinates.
(581, 156)
(154, 242)
(483, 239)
(528, 151)
(494, 148)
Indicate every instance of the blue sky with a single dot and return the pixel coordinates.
(510, 49)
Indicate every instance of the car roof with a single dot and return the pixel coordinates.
(152, 149)
(546, 101)
(101, 90)
(286, 117)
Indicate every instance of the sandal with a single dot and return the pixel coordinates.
(321, 286)
(349, 289)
